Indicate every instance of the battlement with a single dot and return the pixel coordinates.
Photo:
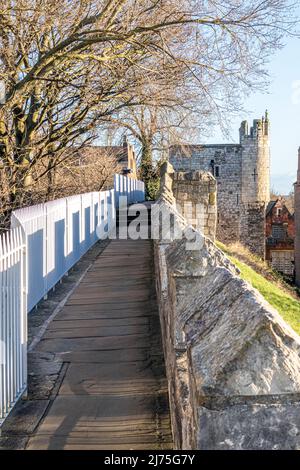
(260, 128)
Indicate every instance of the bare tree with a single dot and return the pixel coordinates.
(78, 170)
(205, 82)
(84, 170)
(173, 113)
(68, 67)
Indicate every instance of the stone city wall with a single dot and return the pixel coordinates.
(233, 364)
(228, 160)
(242, 172)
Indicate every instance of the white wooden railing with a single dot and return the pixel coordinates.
(13, 319)
(44, 243)
(58, 233)
(132, 189)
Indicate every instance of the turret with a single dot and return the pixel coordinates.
(256, 160)
(260, 128)
(255, 190)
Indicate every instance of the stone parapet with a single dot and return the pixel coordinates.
(195, 195)
(233, 364)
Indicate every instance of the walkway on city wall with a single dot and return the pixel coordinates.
(113, 394)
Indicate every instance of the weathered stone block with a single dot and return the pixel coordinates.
(250, 427)
(198, 188)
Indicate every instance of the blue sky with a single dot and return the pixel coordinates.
(283, 104)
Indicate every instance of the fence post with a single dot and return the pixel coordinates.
(81, 224)
(116, 189)
(23, 305)
(46, 248)
(92, 220)
(113, 208)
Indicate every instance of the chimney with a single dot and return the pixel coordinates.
(125, 141)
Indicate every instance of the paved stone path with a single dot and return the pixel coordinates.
(113, 394)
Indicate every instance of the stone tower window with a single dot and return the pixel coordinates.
(278, 212)
(217, 171)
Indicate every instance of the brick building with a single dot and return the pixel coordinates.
(124, 155)
(280, 235)
(242, 172)
(297, 224)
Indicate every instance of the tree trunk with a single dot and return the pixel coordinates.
(20, 182)
(50, 181)
(147, 166)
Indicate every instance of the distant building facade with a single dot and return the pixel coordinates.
(280, 236)
(297, 224)
(242, 172)
(124, 155)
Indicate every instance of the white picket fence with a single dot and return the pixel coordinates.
(13, 322)
(44, 243)
(58, 233)
(132, 189)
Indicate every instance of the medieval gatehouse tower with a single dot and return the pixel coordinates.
(242, 172)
